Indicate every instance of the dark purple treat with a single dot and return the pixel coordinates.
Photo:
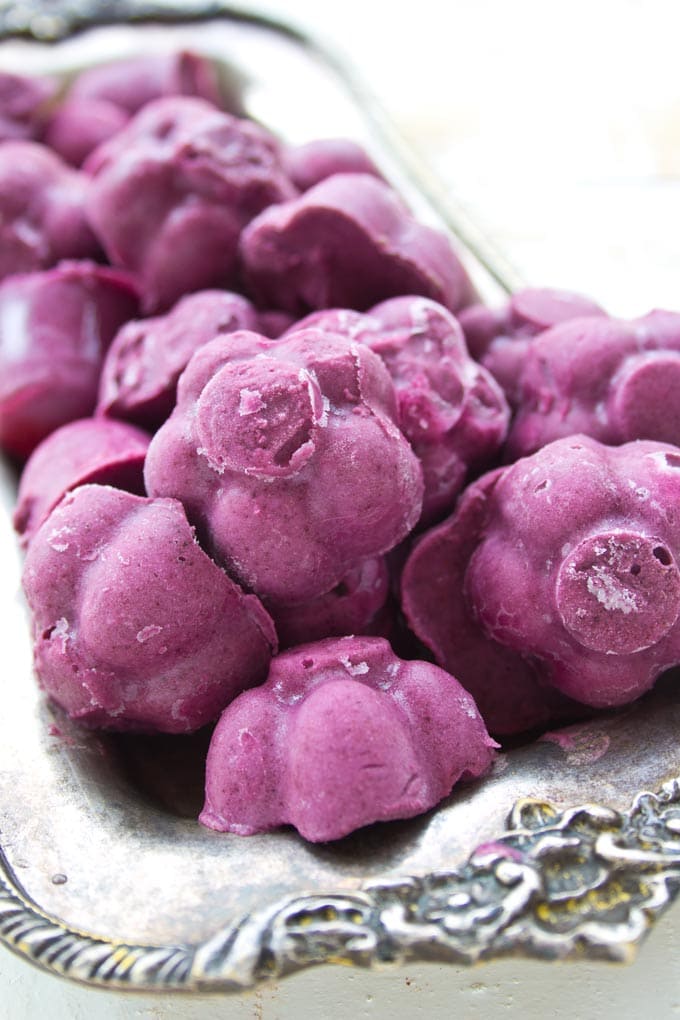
(78, 126)
(55, 327)
(172, 191)
(355, 606)
(348, 242)
(88, 450)
(500, 338)
(613, 380)
(288, 459)
(131, 84)
(450, 409)
(342, 734)
(571, 566)
(312, 162)
(274, 324)
(22, 105)
(42, 217)
(135, 628)
(147, 356)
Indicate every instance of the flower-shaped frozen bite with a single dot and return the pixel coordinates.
(287, 457)
(109, 578)
(171, 192)
(348, 242)
(342, 734)
(573, 567)
(450, 408)
(139, 377)
(42, 210)
(611, 379)
(55, 327)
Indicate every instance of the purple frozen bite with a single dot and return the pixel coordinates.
(314, 161)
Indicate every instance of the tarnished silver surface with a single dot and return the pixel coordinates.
(105, 875)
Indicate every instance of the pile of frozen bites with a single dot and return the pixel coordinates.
(270, 437)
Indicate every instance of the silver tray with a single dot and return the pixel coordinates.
(105, 875)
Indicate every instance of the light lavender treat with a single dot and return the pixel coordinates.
(355, 606)
(314, 161)
(451, 409)
(288, 459)
(171, 192)
(139, 377)
(42, 217)
(573, 568)
(84, 451)
(55, 327)
(78, 126)
(342, 734)
(108, 579)
(23, 103)
(500, 338)
(348, 242)
(611, 379)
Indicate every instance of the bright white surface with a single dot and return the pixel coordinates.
(560, 128)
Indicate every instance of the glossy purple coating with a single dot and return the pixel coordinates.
(171, 192)
(88, 450)
(55, 327)
(288, 459)
(500, 338)
(342, 734)
(348, 242)
(353, 607)
(78, 126)
(572, 566)
(109, 578)
(139, 377)
(314, 161)
(42, 218)
(611, 379)
(22, 105)
(451, 410)
(131, 84)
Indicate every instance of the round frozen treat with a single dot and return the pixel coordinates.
(451, 410)
(140, 372)
(108, 579)
(353, 607)
(22, 105)
(78, 126)
(576, 567)
(288, 459)
(500, 338)
(342, 734)
(42, 217)
(55, 327)
(171, 192)
(348, 242)
(88, 450)
(614, 380)
(314, 161)
(132, 83)
(509, 690)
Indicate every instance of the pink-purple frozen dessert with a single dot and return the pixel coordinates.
(567, 562)
(55, 327)
(611, 379)
(500, 338)
(139, 377)
(23, 102)
(42, 217)
(314, 161)
(348, 242)
(288, 459)
(84, 451)
(451, 409)
(109, 578)
(78, 126)
(171, 192)
(342, 734)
